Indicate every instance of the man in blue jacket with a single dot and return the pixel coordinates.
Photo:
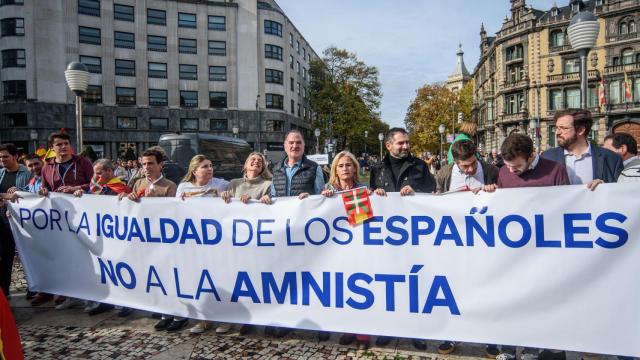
(13, 177)
(586, 163)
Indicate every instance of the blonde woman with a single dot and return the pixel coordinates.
(343, 174)
(255, 184)
(199, 180)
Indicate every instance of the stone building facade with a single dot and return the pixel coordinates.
(156, 67)
(528, 71)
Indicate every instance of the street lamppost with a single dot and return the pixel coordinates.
(33, 135)
(366, 133)
(380, 137)
(259, 122)
(235, 130)
(583, 33)
(533, 125)
(441, 130)
(316, 132)
(77, 77)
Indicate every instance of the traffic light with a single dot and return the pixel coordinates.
(459, 117)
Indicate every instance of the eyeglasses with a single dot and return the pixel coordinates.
(563, 129)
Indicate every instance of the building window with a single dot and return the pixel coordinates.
(298, 88)
(93, 64)
(623, 28)
(627, 56)
(291, 39)
(218, 124)
(158, 123)
(593, 97)
(614, 92)
(272, 28)
(123, 12)
(636, 90)
(125, 67)
(188, 72)
(552, 136)
(490, 110)
(572, 98)
(158, 97)
(273, 76)
(158, 70)
(13, 58)
(217, 73)
(515, 53)
(557, 38)
(14, 89)
(298, 109)
(275, 125)
(93, 95)
(124, 40)
(217, 23)
(189, 99)
(157, 43)
(89, 35)
(274, 101)
(514, 103)
(298, 46)
(555, 99)
(292, 108)
(304, 73)
(298, 67)
(12, 27)
(217, 99)
(125, 96)
(291, 61)
(304, 53)
(304, 92)
(218, 48)
(615, 61)
(156, 17)
(272, 52)
(187, 20)
(16, 120)
(291, 84)
(189, 124)
(89, 7)
(571, 66)
(127, 122)
(187, 46)
(92, 122)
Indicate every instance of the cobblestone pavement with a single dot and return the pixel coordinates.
(47, 333)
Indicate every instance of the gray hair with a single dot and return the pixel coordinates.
(106, 164)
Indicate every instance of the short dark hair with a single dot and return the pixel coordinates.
(10, 148)
(463, 149)
(621, 138)
(516, 145)
(32, 156)
(581, 118)
(155, 153)
(388, 138)
(58, 135)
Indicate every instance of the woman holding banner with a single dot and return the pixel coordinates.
(255, 184)
(199, 182)
(344, 176)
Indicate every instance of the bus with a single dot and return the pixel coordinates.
(228, 154)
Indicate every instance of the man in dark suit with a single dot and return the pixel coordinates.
(586, 163)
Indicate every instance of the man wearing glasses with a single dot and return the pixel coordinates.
(586, 163)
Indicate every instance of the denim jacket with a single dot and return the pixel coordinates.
(22, 178)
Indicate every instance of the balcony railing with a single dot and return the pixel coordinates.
(622, 37)
(515, 84)
(618, 69)
(569, 77)
(558, 48)
(619, 5)
(519, 116)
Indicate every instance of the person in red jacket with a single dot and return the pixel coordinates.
(10, 347)
(68, 172)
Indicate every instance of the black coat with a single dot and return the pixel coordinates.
(414, 172)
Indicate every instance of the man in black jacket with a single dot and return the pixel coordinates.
(400, 171)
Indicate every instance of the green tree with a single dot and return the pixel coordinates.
(345, 97)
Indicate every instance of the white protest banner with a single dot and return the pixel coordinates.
(549, 267)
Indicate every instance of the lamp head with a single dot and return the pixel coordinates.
(77, 77)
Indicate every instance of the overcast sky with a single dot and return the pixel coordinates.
(411, 42)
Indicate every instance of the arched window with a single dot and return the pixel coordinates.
(623, 28)
(627, 56)
(632, 27)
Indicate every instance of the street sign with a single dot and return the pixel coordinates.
(320, 159)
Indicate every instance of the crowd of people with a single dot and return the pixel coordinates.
(575, 161)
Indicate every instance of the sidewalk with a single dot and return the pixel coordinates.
(47, 333)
